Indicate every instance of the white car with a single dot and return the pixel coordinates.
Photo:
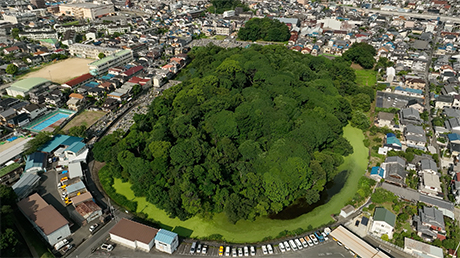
(204, 250)
(325, 236)
(270, 249)
(313, 238)
(227, 251)
(246, 251)
(253, 251)
(234, 252)
(281, 246)
(93, 227)
(107, 247)
(310, 243)
(240, 251)
(299, 245)
(292, 244)
(286, 245)
(198, 249)
(264, 249)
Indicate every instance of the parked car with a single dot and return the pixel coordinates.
(204, 250)
(286, 245)
(264, 249)
(270, 249)
(61, 244)
(107, 247)
(292, 244)
(240, 251)
(310, 243)
(93, 227)
(253, 251)
(281, 247)
(298, 244)
(303, 242)
(192, 249)
(313, 238)
(338, 242)
(319, 236)
(198, 249)
(234, 252)
(221, 250)
(246, 251)
(325, 236)
(227, 251)
(67, 248)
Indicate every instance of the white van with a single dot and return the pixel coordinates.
(61, 244)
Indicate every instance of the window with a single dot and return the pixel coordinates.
(59, 238)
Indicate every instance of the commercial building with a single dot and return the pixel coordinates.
(166, 241)
(101, 67)
(36, 162)
(23, 87)
(45, 218)
(80, 80)
(21, 17)
(421, 249)
(86, 10)
(356, 244)
(133, 235)
(68, 148)
(90, 51)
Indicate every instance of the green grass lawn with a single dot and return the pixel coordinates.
(254, 231)
(220, 37)
(366, 77)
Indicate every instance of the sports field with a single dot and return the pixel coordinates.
(86, 118)
(62, 71)
(255, 231)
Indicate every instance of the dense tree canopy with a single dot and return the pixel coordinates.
(362, 54)
(220, 6)
(266, 29)
(247, 133)
(8, 238)
(39, 139)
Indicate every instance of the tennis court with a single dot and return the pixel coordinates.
(49, 122)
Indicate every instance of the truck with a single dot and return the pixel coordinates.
(319, 236)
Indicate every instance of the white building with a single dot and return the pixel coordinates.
(90, 51)
(100, 67)
(383, 222)
(347, 211)
(166, 241)
(86, 10)
(75, 170)
(133, 235)
(19, 17)
(421, 249)
(45, 218)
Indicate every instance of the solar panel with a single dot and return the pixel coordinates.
(364, 221)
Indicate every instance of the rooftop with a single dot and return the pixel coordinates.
(423, 248)
(109, 58)
(59, 140)
(28, 83)
(382, 214)
(134, 231)
(165, 236)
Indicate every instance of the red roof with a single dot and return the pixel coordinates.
(79, 79)
(13, 48)
(134, 79)
(133, 70)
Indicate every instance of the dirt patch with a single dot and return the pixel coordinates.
(63, 71)
(356, 66)
(85, 118)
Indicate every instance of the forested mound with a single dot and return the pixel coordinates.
(247, 133)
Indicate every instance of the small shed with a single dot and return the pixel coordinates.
(347, 211)
(166, 241)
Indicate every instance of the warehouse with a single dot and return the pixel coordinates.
(133, 235)
(356, 244)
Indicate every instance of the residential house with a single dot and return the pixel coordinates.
(443, 101)
(395, 170)
(413, 103)
(415, 137)
(455, 186)
(377, 173)
(383, 222)
(456, 102)
(428, 166)
(34, 110)
(410, 116)
(452, 124)
(385, 119)
(415, 83)
(430, 185)
(449, 90)
(75, 101)
(429, 224)
(454, 143)
(392, 142)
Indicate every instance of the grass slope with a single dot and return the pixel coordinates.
(366, 77)
(85, 118)
(254, 231)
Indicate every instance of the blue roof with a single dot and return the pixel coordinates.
(59, 140)
(378, 171)
(391, 135)
(75, 187)
(35, 160)
(393, 140)
(409, 90)
(453, 137)
(75, 147)
(165, 236)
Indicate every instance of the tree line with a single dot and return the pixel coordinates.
(248, 132)
(264, 29)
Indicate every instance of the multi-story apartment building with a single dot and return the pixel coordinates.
(86, 10)
(90, 51)
(100, 67)
(16, 18)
